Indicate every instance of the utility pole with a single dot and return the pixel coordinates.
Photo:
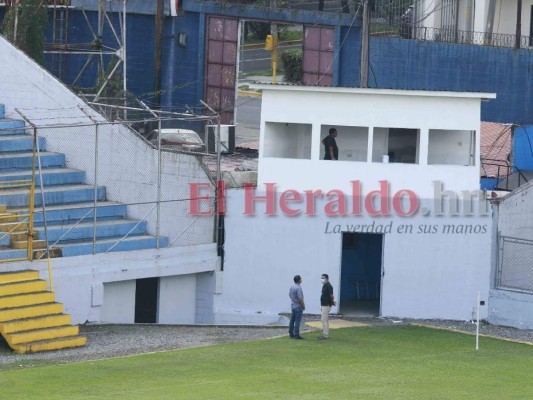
(518, 24)
(159, 16)
(363, 81)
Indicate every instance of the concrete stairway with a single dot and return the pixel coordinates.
(30, 319)
(69, 203)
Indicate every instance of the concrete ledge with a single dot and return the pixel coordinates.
(249, 93)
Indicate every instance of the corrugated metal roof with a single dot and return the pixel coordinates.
(496, 147)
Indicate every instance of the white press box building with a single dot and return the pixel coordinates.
(398, 222)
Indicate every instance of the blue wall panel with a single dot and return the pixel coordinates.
(349, 45)
(523, 147)
(182, 77)
(412, 64)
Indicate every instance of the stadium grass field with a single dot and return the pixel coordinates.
(398, 362)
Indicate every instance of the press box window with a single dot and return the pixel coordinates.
(396, 145)
(287, 140)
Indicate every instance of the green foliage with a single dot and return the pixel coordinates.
(31, 23)
(258, 29)
(293, 65)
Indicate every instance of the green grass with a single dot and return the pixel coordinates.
(360, 363)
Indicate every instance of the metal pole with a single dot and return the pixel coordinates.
(16, 22)
(218, 175)
(124, 63)
(95, 187)
(364, 46)
(124, 82)
(159, 172)
(518, 25)
(44, 213)
(274, 32)
(477, 320)
(31, 206)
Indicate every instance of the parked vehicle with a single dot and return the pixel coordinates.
(181, 139)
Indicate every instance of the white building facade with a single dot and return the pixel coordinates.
(485, 22)
(410, 237)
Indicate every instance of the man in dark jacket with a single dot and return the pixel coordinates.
(326, 302)
(331, 151)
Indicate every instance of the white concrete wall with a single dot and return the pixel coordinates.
(516, 213)
(205, 288)
(118, 305)
(427, 275)
(288, 141)
(480, 17)
(90, 287)
(514, 218)
(177, 300)
(450, 147)
(368, 108)
(505, 17)
(127, 165)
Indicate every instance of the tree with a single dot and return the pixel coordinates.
(30, 24)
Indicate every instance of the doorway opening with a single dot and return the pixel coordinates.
(146, 295)
(361, 272)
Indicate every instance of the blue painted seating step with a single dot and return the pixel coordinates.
(24, 160)
(5, 240)
(128, 244)
(16, 143)
(63, 194)
(13, 127)
(69, 202)
(78, 248)
(84, 212)
(84, 230)
(51, 176)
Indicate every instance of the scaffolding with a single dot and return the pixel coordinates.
(100, 51)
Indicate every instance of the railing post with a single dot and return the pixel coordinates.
(50, 277)
(159, 172)
(31, 205)
(95, 185)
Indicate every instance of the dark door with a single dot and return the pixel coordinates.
(146, 294)
(361, 272)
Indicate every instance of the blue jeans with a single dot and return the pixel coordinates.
(296, 319)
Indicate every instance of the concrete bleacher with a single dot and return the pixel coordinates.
(68, 199)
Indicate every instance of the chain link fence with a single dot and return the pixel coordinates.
(515, 269)
(103, 186)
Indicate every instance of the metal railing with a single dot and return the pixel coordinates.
(450, 35)
(123, 168)
(508, 177)
(515, 269)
